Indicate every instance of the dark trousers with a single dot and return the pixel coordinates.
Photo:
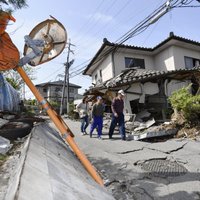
(97, 122)
(84, 123)
(118, 120)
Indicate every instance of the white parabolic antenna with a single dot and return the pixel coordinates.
(54, 35)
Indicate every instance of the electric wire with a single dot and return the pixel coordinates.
(138, 28)
(119, 11)
(135, 14)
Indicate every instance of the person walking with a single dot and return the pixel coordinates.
(83, 109)
(117, 107)
(97, 116)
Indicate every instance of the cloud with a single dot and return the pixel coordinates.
(100, 17)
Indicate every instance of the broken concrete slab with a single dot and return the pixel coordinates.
(142, 114)
(153, 132)
(4, 145)
(145, 125)
(8, 117)
(51, 164)
(3, 122)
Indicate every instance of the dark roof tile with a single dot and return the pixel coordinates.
(136, 75)
(57, 83)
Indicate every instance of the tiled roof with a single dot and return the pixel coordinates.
(141, 75)
(113, 46)
(57, 83)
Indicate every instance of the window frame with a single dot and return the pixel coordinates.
(134, 62)
(194, 60)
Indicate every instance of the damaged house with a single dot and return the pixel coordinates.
(147, 75)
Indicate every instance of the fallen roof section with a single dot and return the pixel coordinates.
(130, 76)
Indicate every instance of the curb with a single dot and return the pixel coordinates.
(15, 176)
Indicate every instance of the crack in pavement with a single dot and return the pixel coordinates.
(167, 152)
(145, 192)
(131, 151)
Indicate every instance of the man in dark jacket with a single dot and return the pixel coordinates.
(117, 107)
(97, 115)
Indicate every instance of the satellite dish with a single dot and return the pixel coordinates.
(54, 35)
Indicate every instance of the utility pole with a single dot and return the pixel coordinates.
(66, 79)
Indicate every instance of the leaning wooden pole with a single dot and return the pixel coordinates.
(64, 130)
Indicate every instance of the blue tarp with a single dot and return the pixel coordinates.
(9, 97)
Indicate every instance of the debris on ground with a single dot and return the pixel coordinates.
(3, 122)
(4, 145)
(155, 131)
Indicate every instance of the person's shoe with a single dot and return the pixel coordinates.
(85, 132)
(100, 138)
(110, 137)
(90, 135)
(82, 133)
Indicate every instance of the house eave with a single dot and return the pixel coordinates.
(180, 74)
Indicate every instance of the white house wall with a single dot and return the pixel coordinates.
(180, 53)
(173, 85)
(164, 60)
(106, 68)
(119, 59)
(138, 91)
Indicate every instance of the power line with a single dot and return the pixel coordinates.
(126, 20)
(99, 31)
(144, 24)
(139, 28)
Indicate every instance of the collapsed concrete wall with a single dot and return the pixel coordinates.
(51, 171)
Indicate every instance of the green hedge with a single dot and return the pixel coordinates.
(183, 101)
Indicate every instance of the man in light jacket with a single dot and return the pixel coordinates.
(83, 109)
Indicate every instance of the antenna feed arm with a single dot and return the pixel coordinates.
(33, 44)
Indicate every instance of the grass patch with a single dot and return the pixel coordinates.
(2, 158)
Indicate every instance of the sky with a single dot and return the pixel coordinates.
(88, 22)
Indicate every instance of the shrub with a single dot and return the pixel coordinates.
(183, 101)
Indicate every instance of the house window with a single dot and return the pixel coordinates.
(71, 90)
(44, 89)
(58, 89)
(191, 62)
(134, 62)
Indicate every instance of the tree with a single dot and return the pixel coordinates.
(13, 4)
(15, 79)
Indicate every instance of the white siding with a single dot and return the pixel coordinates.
(180, 53)
(164, 60)
(170, 58)
(106, 67)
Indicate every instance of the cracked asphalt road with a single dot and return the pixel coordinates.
(120, 165)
